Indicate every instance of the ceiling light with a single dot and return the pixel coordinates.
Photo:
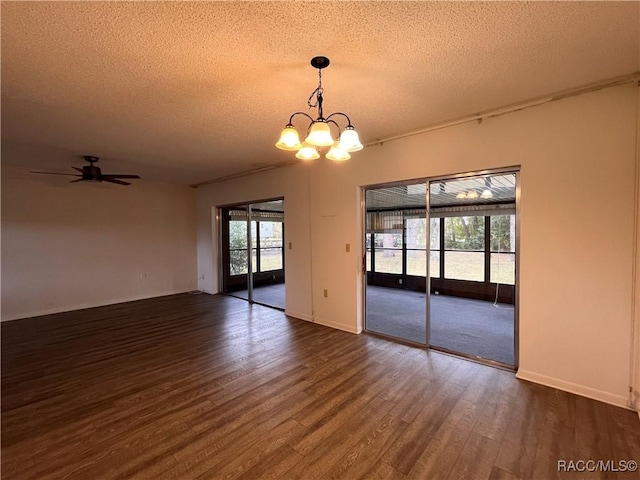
(307, 152)
(319, 130)
(289, 140)
(486, 193)
(337, 153)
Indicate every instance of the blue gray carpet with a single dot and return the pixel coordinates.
(472, 327)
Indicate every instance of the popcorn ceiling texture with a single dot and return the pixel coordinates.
(199, 90)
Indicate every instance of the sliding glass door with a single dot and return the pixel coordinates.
(444, 275)
(252, 252)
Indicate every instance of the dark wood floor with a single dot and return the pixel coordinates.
(200, 386)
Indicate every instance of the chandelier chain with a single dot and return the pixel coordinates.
(318, 94)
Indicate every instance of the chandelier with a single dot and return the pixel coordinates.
(319, 134)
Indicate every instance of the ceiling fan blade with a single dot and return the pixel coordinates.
(114, 175)
(55, 173)
(78, 180)
(77, 168)
(113, 180)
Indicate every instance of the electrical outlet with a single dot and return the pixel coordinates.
(290, 246)
(348, 248)
(326, 293)
(400, 281)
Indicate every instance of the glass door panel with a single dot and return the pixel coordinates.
(396, 262)
(267, 253)
(471, 307)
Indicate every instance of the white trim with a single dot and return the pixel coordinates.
(634, 333)
(515, 107)
(338, 326)
(81, 306)
(600, 395)
(300, 316)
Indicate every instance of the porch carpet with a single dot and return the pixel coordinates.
(472, 327)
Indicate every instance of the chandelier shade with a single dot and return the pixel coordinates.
(350, 141)
(338, 154)
(289, 139)
(307, 152)
(319, 133)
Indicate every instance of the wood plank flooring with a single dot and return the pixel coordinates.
(210, 387)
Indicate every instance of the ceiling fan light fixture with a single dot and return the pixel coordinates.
(319, 129)
(289, 139)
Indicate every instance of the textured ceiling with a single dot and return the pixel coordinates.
(193, 91)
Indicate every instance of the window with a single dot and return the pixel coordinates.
(267, 250)
(434, 248)
(238, 247)
(388, 252)
(503, 257)
(464, 248)
(270, 246)
(466, 255)
(415, 234)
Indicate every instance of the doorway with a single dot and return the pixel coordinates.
(252, 252)
(441, 258)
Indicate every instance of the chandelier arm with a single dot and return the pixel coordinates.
(334, 122)
(300, 113)
(344, 115)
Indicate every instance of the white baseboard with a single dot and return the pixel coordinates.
(339, 326)
(299, 316)
(81, 306)
(595, 394)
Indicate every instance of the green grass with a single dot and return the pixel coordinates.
(458, 265)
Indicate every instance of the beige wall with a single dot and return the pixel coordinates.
(577, 159)
(66, 247)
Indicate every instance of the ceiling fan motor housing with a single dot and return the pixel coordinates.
(90, 172)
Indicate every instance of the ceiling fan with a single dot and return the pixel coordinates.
(91, 173)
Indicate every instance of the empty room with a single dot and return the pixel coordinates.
(313, 240)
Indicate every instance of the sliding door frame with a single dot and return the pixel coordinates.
(220, 219)
(428, 181)
(515, 170)
(363, 208)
